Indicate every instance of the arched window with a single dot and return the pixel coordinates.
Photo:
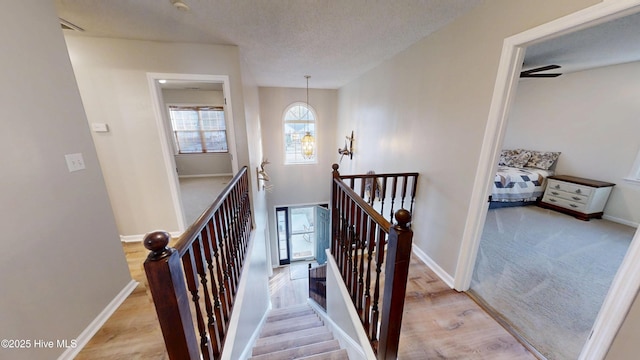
(299, 119)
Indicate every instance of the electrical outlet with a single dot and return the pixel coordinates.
(75, 162)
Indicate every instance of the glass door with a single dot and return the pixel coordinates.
(283, 239)
(303, 234)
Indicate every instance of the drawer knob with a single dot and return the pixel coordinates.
(578, 191)
(557, 186)
(575, 198)
(573, 205)
(555, 192)
(553, 200)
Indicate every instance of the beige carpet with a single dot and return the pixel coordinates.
(547, 274)
(198, 194)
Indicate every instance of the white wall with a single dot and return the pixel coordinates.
(298, 184)
(426, 109)
(62, 262)
(112, 77)
(256, 290)
(592, 118)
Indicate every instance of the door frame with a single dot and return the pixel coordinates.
(162, 122)
(626, 283)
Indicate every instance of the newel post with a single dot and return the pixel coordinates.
(166, 282)
(395, 286)
(334, 209)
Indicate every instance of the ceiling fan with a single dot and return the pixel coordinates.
(533, 73)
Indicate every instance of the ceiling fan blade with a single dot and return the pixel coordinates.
(533, 72)
(539, 75)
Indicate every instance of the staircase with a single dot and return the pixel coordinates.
(296, 333)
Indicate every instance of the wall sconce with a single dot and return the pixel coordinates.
(263, 177)
(348, 147)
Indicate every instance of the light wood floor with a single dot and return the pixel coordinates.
(438, 323)
(133, 331)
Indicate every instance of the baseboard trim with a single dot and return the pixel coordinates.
(353, 348)
(97, 323)
(139, 238)
(621, 221)
(203, 176)
(246, 354)
(448, 279)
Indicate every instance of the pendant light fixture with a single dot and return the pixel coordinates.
(308, 142)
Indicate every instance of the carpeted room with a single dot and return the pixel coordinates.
(596, 134)
(546, 273)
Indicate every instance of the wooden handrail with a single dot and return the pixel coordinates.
(193, 284)
(362, 241)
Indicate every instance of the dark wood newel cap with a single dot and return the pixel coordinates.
(335, 167)
(157, 242)
(403, 217)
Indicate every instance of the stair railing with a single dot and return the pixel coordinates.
(362, 242)
(195, 282)
(318, 285)
(380, 190)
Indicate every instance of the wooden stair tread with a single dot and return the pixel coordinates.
(301, 351)
(289, 309)
(292, 335)
(296, 319)
(286, 326)
(289, 314)
(283, 344)
(332, 355)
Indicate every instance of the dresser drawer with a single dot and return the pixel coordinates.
(580, 197)
(567, 204)
(575, 197)
(569, 187)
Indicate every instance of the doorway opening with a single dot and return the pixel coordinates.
(627, 280)
(189, 90)
(302, 233)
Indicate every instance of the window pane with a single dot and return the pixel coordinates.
(199, 129)
(299, 112)
(189, 141)
(212, 120)
(298, 120)
(215, 141)
(184, 119)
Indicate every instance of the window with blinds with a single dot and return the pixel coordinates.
(198, 129)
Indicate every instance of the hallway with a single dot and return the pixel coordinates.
(438, 322)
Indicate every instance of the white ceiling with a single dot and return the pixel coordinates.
(334, 41)
(610, 43)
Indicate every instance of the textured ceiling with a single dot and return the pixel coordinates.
(610, 43)
(334, 41)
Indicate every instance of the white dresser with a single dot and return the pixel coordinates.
(580, 197)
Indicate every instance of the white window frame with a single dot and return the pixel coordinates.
(172, 131)
(314, 123)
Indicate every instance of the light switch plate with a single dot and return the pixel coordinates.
(75, 162)
(99, 127)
